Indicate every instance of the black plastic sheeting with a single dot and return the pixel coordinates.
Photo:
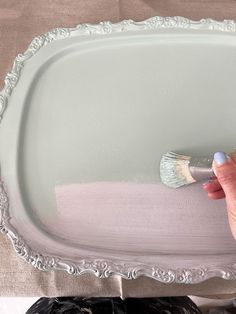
(78, 305)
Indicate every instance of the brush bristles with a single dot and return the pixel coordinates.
(174, 170)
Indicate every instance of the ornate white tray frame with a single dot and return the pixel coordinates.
(102, 268)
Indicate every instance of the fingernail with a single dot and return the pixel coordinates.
(220, 158)
(207, 182)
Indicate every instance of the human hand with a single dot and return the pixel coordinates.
(224, 185)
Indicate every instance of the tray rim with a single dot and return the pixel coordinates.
(100, 267)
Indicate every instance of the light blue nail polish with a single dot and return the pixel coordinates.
(220, 158)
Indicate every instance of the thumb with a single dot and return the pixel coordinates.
(225, 169)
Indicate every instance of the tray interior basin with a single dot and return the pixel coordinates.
(96, 118)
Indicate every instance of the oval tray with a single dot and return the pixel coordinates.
(87, 113)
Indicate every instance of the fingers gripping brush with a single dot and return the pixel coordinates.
(177, 170)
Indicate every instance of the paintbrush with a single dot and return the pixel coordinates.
(177, 170)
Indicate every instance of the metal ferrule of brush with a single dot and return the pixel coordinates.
(201, 168)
